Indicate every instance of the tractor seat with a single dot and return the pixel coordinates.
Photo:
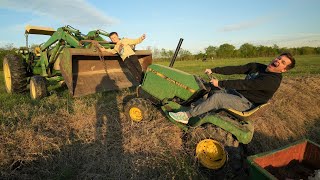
(245, 114)
(37, 51)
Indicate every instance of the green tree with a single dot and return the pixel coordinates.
(226, 51)
(318, 50)
(200, 56)
(7, 49)
(184, 54)
(284, 49)
(156, 53)
(307, 50)
(170, 54)
(163, 53)
(211, 52)
(247, 50)
(275, 49)
(262, 51)
(294, 51)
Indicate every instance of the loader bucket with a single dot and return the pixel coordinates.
(85, 73)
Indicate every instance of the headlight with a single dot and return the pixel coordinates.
(26, 51)
(21, 51)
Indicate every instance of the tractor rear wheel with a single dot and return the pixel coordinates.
(216, 150)
(15, 74)
(138, 109)
(38, 87)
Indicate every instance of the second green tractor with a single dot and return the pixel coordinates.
(215, 139)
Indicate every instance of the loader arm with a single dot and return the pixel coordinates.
(95, 35)
(64, 33)
(66, 36)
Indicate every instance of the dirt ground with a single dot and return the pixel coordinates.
(94, 140)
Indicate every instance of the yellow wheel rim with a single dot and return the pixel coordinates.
(37, 51)
(211, 154)
(135, 114)
(32, 90)
(7, 77)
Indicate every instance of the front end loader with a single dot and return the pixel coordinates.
(215, 138)
(72, 57)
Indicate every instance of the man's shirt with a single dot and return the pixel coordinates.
(258, 87)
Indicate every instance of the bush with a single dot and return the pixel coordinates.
(3, 53)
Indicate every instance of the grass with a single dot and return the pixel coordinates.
(60, 137)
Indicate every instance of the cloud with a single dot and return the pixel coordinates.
(286, 40)
(3, 44)
(75, 12)
(298, 40)
(246, 24)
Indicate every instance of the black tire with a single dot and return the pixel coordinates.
(38, 87)
(15, 74)
(139, 109)
(234, 151)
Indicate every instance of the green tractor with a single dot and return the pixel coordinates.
(215, 139)
(74, 58)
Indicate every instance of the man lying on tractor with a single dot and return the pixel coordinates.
(258, 87)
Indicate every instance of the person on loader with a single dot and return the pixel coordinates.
(261, 82)
(124, 47)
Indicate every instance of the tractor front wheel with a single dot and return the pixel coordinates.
(218, 152)
(15, 74)
(138, 109)
(38, 87)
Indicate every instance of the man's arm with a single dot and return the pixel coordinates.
(228, 70)
(261, 83)
(133, 41)
(112, 51)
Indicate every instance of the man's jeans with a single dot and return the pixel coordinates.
(222, 99)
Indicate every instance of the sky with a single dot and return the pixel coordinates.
(201, 23)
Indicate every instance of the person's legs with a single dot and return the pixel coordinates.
(222, 100)
(218, 100)
(134, 67)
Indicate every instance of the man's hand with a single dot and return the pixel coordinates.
(121, 48)
(215, 83)
(143, 36)
(208, 71)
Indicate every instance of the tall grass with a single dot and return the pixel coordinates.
(61, 137)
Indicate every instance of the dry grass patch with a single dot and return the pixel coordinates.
(294, 113)
(90, 138)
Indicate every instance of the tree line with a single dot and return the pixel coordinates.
(7, 49)
(226, 50)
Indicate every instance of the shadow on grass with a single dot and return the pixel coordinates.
(99, 157)
(107, 158)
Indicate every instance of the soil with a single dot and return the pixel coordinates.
(294, 170)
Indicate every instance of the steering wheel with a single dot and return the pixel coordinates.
(211, 76)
